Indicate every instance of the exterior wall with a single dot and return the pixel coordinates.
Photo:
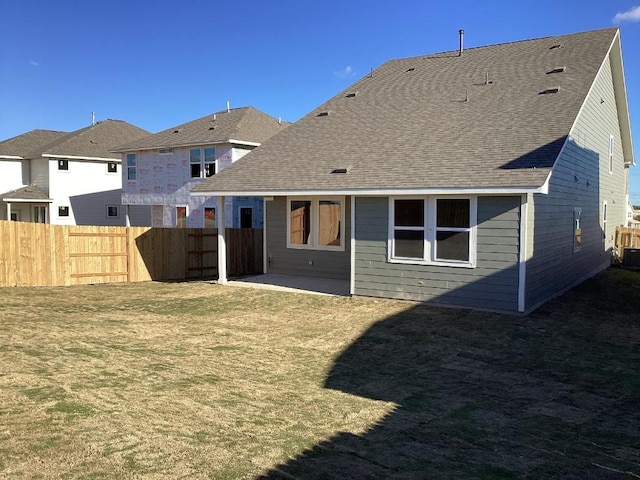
(302, 262)
(580, 179)
(87, 189)
(40, 174)
(493, 284)
(14, 174)
(164, 180)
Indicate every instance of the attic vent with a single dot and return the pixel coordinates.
(410, 69)
(351, 94)
(340, 170)
(212, 128)
(177, 130)
(324, 114)
(553, 47)
(557, 70)
(550, 90)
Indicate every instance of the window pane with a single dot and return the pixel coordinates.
(131, 173)
(452, 246)
(329, 222)
(300, 222)
(195, 170)
(408, 243)
(453, 213)
(112, 167)
(409, 213)
(131, 159)
(209, 217)
(209, 155)
(209, 169)
(194, 155)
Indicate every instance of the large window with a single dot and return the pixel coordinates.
(432, 230)
(202, 161)
(132, 171)
(315, 223)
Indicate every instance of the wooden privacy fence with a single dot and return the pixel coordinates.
(627, 238)
(33, 254)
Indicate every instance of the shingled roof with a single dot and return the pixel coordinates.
(94, 141)
(30, 193)
(237, 125)
(490, 118)
(24, 144)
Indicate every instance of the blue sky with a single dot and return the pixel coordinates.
(157, 63)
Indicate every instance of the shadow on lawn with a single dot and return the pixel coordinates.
(482, 395)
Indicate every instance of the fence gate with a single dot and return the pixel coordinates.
(202, 253)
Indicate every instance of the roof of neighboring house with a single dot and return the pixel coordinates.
(24, 144)
(244, 125)
(94, 141)
(28, 193)
(486, 119)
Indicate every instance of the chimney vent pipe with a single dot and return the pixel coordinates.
(461, 32)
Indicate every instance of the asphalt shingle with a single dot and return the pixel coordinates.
(440, 121)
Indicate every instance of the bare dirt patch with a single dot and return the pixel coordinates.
(195, 380)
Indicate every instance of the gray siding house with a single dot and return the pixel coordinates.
(492, 177)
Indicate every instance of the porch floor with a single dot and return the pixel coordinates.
(288, 283)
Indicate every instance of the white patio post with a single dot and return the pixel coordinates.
(8, 210)
(127, 217)
(222, 244)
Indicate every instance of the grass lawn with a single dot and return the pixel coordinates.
(200, 381)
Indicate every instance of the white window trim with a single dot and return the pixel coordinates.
(313, 235)
(611, 147)
(577, 214)
(605, 211)
(134, 167)
(203, 163)
(430, 230)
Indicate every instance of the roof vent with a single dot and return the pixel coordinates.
(553, 47)
(212, 128)
(324, 114)
(340, 170)
(412, 69)
(177, 130)
(557, 70)
(351, 94)
(550, 90)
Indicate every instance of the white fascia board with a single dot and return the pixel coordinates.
(243, 142)
(26, 200)
(72, 157)
(183, 145)
(379, 192)
(11, 157)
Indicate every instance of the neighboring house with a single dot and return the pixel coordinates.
(66, 178)
(161, 169)
(490, 178)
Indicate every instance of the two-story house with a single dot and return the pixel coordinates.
(67, 178)
(161, 169)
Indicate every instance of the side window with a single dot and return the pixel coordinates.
(181, 217)
(408, 228)
(209, 161)
(63, 164)
(577, 230)
(132, 170)
(209, 217)
(194, 161)
(112, 211)
(112, 167)
(63, 211)
(453, 229)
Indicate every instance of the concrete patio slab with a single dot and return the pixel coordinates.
(288, 283)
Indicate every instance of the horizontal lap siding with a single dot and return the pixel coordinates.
(580, 179)
(302, 262)
(492, 284)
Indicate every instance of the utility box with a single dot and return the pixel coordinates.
(631, 258)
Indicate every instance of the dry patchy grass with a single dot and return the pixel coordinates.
(195, 380)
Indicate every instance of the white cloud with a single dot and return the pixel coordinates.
(631, 15)
(35, 64)
(345, 72)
